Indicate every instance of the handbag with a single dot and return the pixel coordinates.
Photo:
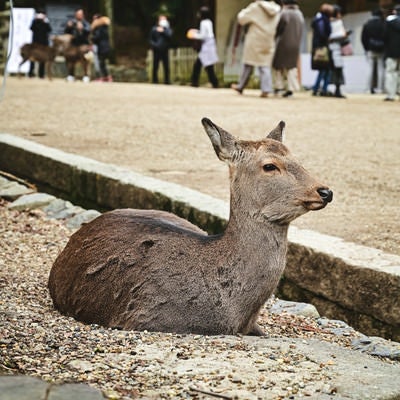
(321, 55)
(346, 49)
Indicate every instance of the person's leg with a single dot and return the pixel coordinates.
(390, 79)
(103, 65)
(245, 74)
(165, 62)
(212, 78)
(279, 85)
(41, 70)
(318, 80)
(265, 79)
(156, 62)
(381, 72)
(293, 80)
(31, 73)
(326, 78)
(196, 73)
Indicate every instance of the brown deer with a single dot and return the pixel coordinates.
(151, 270)
(37, 52)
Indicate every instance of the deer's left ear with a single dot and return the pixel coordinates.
(277, 132)
(225, 144)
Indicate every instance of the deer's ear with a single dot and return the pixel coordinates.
(277, 132)
(225, 145)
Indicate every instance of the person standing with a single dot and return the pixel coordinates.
(392, 53)
(100, 37)
(321, 27)
(288, 40)
(336, 39)
(160, 42)
(261, 18)
(41, 29)
(79, 28)
(373, 44)
(207, 56)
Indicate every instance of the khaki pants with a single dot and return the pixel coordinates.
(290, 76)
(392, 76)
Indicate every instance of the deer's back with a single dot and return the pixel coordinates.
(125, 263)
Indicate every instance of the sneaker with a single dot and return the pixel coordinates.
(288, 93)
(70, 78)
(264, 94)
(388, 99)
(85, 79)
(109, 78)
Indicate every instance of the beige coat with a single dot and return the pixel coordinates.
(262, 18)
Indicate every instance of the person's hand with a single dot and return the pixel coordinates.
(160, 29)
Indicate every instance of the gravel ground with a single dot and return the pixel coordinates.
(36, 340)
(351, 144)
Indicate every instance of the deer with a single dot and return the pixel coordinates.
(37, 52)
(151, 270)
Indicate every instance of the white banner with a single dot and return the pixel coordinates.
(21, 34)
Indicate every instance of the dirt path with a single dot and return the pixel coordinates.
(352, 144)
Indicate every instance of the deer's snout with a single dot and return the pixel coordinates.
(326, 194)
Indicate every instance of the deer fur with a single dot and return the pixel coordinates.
(151, 270)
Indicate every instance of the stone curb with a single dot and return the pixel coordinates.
(360, 284)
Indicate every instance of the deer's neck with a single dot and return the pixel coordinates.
(255, 257)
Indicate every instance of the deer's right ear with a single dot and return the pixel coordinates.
(277, 132)
(225, 145)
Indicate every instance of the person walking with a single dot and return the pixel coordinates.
(288, 40)
(160, 42)
(373, 44)
(261, 17)
(100, 37)
(336, 39)
(321, 28)
(41, 29)
(392, 53)
(207, 56)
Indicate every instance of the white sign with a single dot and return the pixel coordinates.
(20, 33)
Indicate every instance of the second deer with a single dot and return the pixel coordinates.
(151, 270)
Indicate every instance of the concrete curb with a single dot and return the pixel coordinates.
(355, 283)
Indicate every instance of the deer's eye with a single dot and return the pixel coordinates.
(270, 167)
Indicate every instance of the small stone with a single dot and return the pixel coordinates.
(31, 201)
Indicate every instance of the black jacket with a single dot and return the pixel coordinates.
(392, 37)
(372, 34)
(160, 41)
(40, 29)
(100, 36)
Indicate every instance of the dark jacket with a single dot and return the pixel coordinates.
(100, 35)
(392, 37)
(80, 37)
(372, 34)
(40, 29)
(321, 27)
(160, 41)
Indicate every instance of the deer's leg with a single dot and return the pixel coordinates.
(256, 330)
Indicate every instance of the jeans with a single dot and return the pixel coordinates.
(392, 77)
(324, 77)
(376, 71)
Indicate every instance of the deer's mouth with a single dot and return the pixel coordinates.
(315, 205)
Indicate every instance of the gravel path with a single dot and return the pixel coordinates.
(300, 356)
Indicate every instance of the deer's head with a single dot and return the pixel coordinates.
(266, 180)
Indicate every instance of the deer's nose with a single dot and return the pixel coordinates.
(326, 195)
